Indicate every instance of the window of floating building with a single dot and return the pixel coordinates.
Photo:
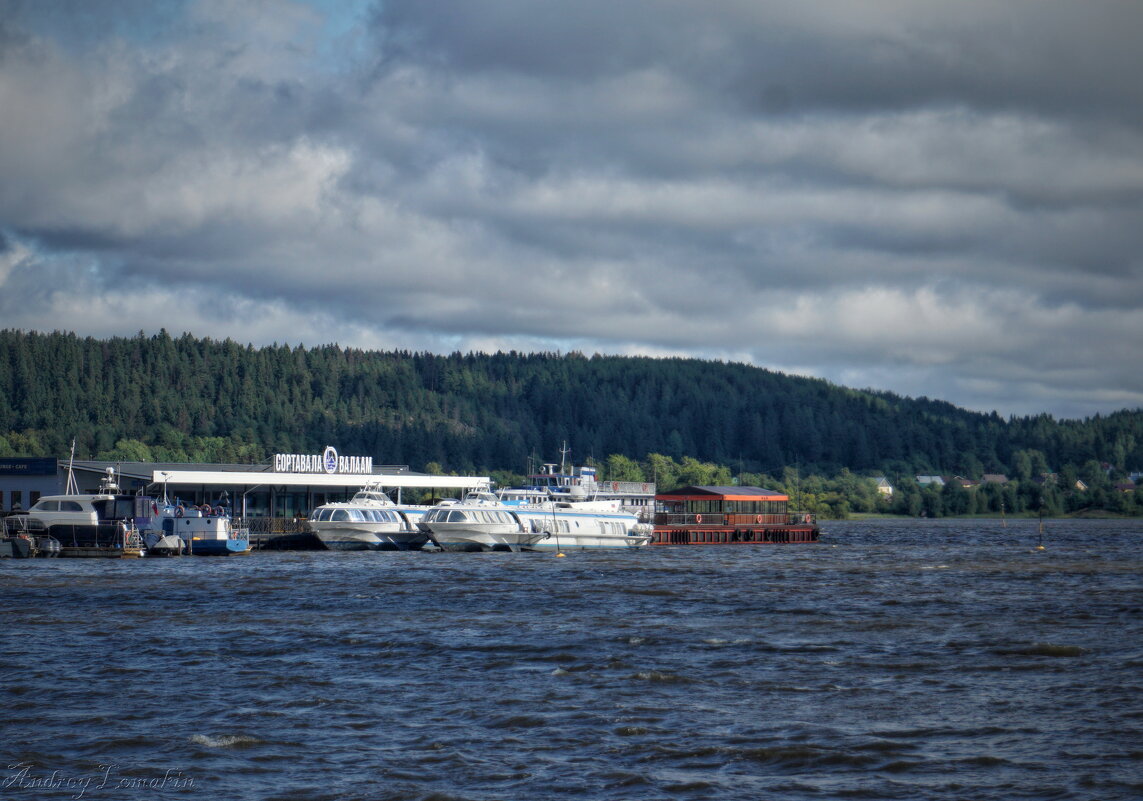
(704, 507)
(289, 504)
(257, 504)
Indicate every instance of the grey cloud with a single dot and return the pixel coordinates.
(792, 55)
(936, 199)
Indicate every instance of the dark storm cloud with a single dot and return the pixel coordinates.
(940, 199)
(787, 56)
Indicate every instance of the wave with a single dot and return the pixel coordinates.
(224, 740)
(660, 677)
(1042, 649)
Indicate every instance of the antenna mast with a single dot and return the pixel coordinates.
(72, 488)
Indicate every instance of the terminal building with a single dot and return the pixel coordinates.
(23, 481)
(291, 485)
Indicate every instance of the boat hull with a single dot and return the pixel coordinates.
(461, 537)
(589, 543)
(170, 545)
(96, 541)
(232, 546)
(28, 545)
(723, 535)
(359, 539)
(481, 525)
(15, 548)
(457, 537)
(583, 530)
(383, 545)
(95, 552)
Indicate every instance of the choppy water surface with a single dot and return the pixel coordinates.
(907, 660)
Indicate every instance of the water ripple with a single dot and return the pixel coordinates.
(898, 659)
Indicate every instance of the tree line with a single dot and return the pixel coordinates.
(1093, 488)
(189, 399)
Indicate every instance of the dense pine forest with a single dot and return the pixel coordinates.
(166, 398)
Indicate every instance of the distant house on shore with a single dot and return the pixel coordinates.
(1053, 479)
(967, 483)
(935, 481)
(884, 487)
(994, 478)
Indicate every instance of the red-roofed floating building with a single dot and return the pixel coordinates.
(729, 515)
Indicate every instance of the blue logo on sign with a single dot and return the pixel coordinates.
(330, 459)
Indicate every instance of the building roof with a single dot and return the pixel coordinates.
(147, 469)
(726, 493)
(180, 474)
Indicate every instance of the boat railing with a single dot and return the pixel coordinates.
(625, 487)
(110, 534)
(689, 519)
(22, 524)
(132, 539)
(736, 519)
(271, 525)
(744, 519)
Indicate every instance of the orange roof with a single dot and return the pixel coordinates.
(722, 493)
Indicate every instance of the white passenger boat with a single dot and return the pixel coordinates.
(578, 483)
(370, 521)
(98, 524)
(486, 522)
(480, 522)
(170, 529)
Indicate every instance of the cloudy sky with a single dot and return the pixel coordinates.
(931, 198)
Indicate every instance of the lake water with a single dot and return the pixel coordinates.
(894, 660)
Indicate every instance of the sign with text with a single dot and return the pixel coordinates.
(327, 461)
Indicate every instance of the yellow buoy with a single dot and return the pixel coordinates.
(559, 554)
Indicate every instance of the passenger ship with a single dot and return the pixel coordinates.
(484, 521)
(582, 483)
(729, 515)
(370, 521)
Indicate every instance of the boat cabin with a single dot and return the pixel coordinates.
(725, 506)
(693, 515)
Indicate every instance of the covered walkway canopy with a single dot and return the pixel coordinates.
(395, 480)
(259, 490)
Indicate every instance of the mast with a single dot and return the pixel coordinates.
(72, 488)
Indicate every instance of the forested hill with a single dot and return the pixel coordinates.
(198, 399)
